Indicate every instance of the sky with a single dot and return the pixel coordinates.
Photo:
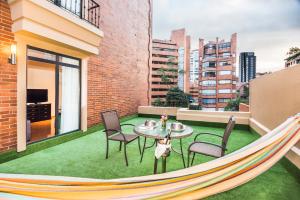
(267, 27)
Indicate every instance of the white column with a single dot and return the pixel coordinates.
(21, 95)
(84, 84)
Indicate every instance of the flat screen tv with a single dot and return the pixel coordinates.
(37, 95)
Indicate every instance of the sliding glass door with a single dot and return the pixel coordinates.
(65, 104)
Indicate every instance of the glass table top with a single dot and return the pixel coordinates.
(159, 133)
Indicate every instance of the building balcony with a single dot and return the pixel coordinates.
(71, 24)
(222, 50)
(164, 53)
(164, 60)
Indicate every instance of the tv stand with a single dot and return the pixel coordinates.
(38, 112)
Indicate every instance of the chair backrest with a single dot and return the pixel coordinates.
(227, 132)
(111, 121)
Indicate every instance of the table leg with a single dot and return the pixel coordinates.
(164, 164)
(155, 165)
(182, 153)
(143, 149)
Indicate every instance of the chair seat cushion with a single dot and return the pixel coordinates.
(206, 149)
(119, 137)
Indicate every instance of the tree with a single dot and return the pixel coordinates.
(233, 105)
(177, 98)
(292, 51)
(158, 102)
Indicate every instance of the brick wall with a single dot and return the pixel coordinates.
(8, 83)
(117, 78)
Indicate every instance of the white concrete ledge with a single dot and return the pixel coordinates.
(153, 110)
(212, 116)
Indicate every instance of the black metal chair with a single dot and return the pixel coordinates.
(114, 132)
(210, 149)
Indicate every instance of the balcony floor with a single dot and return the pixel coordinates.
(84, 157)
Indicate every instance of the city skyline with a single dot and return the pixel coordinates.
(267, 28)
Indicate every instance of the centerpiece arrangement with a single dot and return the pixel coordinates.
(164, 119)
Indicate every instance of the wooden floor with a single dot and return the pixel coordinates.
(42, 130)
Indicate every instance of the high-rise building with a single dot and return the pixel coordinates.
(194, 66)
(164, 63)
(247, 66)
(184, 46)
(217, 79)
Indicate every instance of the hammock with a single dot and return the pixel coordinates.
(195, 182)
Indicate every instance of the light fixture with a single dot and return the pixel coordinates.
(13, 54)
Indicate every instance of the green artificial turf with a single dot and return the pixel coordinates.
(85, 157)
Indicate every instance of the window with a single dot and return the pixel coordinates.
(208, 92)
(224, 91)
(209, 83)
(224, 63)
(209, 74)
(224, 72)
(209, 64)
(224, 82)
(224, 45)
(210, 56)
(234, 82)
(223, 100)
(225, 55)
(209, 101)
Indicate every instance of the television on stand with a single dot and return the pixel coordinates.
(37, 95)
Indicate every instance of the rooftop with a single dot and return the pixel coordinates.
(85, 157)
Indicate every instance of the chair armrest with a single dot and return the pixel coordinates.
(127, 125)
(207, 134)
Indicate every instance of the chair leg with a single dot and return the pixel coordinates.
(155, 165)
(143, 149)
(188, 161)
(120, 147)
(107, 147)
(125, 152)
(139, 143)
(193, 158)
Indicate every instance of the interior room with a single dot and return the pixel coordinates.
(40, 100)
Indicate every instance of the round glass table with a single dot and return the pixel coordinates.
(159, 133)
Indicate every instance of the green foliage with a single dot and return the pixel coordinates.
(233, 105)
(293, 50)
(292, 53)
(177, 98)
(158, 102)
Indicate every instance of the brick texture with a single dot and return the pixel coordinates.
(8, 83)
(117, 78)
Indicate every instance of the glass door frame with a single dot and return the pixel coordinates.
(57, 64)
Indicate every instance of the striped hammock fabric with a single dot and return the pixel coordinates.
(195, 182)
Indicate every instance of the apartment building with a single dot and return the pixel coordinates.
(183, 42)
(247, 67)
(53, 76)
(194, 66)
(217, 78)
(164, 70)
